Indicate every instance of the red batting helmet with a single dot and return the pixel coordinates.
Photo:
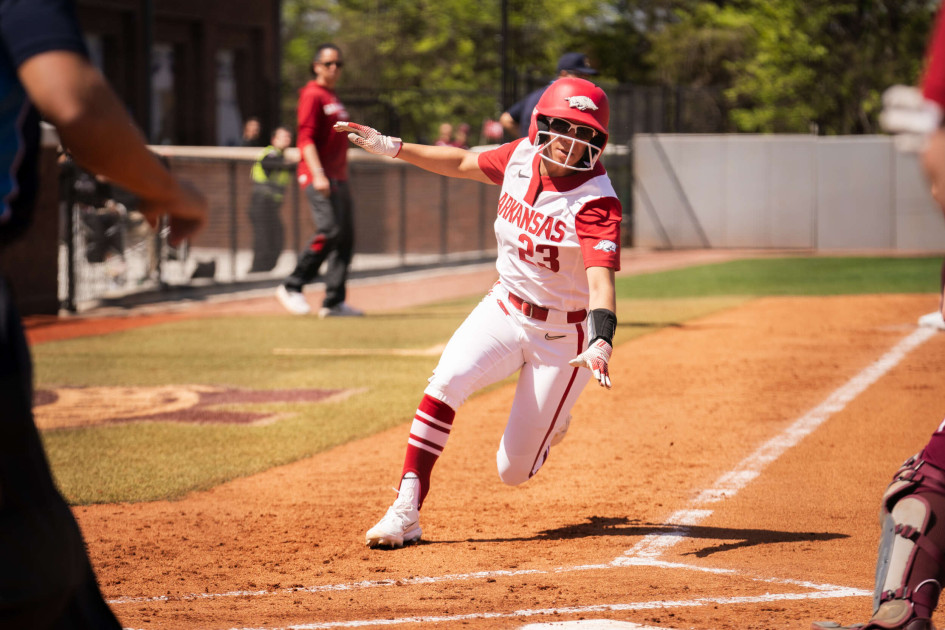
(576, 100)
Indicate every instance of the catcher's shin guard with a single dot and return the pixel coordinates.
(909, 568)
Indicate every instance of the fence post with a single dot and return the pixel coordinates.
(444, 215)
(296, 219)
(482, 218)
(67, 208)
(233, 217)
(402, 234)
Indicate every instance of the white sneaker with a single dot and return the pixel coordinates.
(339, 310)
(560, 431)
(932, 320)
(293, 301)
(400, 525)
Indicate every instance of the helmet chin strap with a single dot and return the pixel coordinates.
(590, 160)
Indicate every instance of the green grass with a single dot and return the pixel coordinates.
(146, 460)
(790, 276)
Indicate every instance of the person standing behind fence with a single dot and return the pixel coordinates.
(323, 175)
(46, 579)
(270, 178)
(517, 118)
(251, 133)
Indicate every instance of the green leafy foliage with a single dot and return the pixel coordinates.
(797, 65)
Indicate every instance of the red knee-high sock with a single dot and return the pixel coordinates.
(428, 434)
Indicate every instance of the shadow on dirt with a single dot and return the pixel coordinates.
(725, 539)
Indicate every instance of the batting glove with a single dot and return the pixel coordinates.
(595, 358)
(370, 139)
(909, 115)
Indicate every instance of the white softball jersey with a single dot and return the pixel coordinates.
(549, 230)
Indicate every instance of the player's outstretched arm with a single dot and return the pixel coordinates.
(97, 130)
(448, 161)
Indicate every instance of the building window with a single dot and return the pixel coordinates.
(229, 117)
(163, 101)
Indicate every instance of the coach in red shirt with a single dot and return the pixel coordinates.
(323, 176)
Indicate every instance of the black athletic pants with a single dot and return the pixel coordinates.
(268, 233)
(333, 241)
(46, 581)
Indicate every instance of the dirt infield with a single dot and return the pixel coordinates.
(730, 480)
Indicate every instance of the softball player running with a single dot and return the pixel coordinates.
(552, 311)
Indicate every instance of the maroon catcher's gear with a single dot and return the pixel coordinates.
(909, 570)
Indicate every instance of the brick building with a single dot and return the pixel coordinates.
(190, 71)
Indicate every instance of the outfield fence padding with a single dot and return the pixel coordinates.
(784, 191)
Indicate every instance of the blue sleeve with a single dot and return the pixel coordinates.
(31, 27)
(515, 111)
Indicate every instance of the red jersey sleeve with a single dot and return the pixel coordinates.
(307, 115)
(598, 226)
(493, 162)
(933, 80)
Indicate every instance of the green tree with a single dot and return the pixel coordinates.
(797, 65)
(429, 61)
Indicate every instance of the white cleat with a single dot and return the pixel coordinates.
(399, 526)
(293, 301)
(932, 320)
(339, 310)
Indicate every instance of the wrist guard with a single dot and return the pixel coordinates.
(602, 323)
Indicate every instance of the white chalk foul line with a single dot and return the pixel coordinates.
(574, 610)
(728, 485)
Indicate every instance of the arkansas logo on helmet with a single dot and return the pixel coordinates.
(582, 103)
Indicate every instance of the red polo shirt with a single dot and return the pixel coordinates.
(319, 109)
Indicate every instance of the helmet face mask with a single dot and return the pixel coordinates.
(589, 151)
(576, 112)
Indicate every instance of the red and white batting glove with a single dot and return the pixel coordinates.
(595, 358)
(370, 139)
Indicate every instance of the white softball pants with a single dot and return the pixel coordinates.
(493, 343)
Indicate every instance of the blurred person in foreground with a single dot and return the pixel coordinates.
(910, 566)
(550, 317)
(46, 579)
(270, 178)
(323, 175)
(517, 118)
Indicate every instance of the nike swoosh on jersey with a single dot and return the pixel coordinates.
(553, 337)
